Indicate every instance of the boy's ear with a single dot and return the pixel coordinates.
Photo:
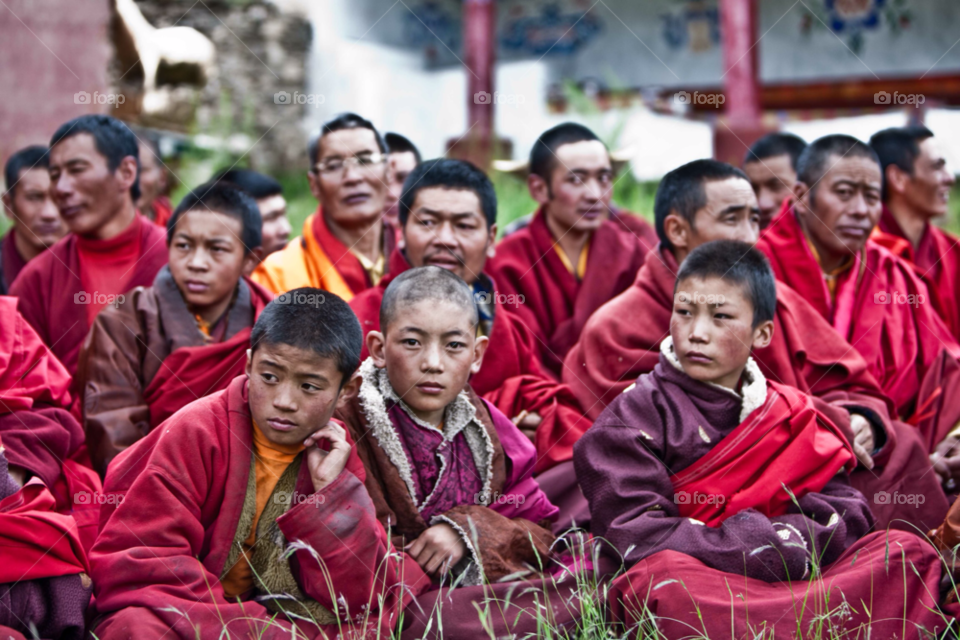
(248, 368)
(479, 349)
(763, 335)
(252, 259)
(349, 390)
(375, 345)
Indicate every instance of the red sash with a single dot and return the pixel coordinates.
(785, 442)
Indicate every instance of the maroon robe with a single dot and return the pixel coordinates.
(907, 346)
(165, 545)
(555, 303)
(628, 464)
(11, 262)
(49, 289)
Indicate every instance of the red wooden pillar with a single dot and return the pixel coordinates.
(479, 54)
(740, 125)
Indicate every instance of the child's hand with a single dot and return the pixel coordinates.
(863, 442)
(437, 549)
(325, 466)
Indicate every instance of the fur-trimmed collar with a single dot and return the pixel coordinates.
(754, 387)
(459, 416)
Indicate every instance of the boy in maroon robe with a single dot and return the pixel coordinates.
(916, 188)
(36, 222)
(246, 514)
(572, 257)
(726, 493)
(184, 337)
(110, 249)
(771, 165)
(821, 247)
(706, 200)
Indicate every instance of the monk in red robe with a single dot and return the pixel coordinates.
(572, 257)
(726, 493)
(771, 165)
(916, 187)
(873, 298)
(111, 248)
(403, 157)
(344, 247)
(36, 222)
(704, 201)
(448, 218)
(246, 514)
(184, 337)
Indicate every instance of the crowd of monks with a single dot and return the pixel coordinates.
(741, 420)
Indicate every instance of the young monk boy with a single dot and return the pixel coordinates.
(184, 337)
(728, 491)
(201, 512)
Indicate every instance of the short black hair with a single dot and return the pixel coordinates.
(682, 191)
(312, 320)
(114, 141)
(449, 174)
(397, 143)
(225, 198)
(813, 162)
(256, 184)
(426, 283)
(34, 157)
(543, 155)
(739, 263)
(776, 144)
(898, 146)
(338, 123)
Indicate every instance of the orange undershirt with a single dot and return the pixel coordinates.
(830, 277)
(270, 461)
(106, 266)
(581, 270)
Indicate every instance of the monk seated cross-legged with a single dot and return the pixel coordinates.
(345, 245)
(184, 337)
(707, 200)
(448, 214)
(726, 493)
(246, 515)
(572, 257)
(451, 476)
(821, 247)
(111, 247)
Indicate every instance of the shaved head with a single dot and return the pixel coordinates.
(426, 283)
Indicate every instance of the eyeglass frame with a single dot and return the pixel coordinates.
(375, 158)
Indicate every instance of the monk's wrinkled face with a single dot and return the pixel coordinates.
(840, 212)
(399, 166)
(446, 228)
(772, 180)
(153, 177)
(577, 195)
(88, 194)
(927, 191)
(730, 213)
(429, 350)
(292, 392)
(30, 206)
(350, 177)
(712, 329)
(276, 227)
(207, 257)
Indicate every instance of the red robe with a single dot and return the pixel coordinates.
(622, 341)
(11, 262)
(555, 304)
(936, 260)
(510, 378)
(49, 289)
(908, 348)
(165, 545)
